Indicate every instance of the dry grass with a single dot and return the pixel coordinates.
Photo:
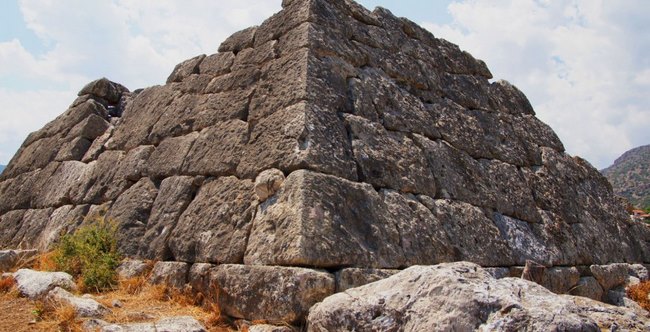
(7, 284)
(56, 316)
(143, 302)
(140, 302)
(639, 293)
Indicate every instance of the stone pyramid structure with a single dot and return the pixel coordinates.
(327, 138)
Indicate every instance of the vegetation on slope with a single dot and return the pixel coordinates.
(630, 176)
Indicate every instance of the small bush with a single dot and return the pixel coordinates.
(90, 254)
(639, 293)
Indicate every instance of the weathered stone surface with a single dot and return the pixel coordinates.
(8, 259)
(389, 159)
(588, 287)
(63, 220)
(355, 277)
(31, 227)
(561, 280)
(610, 276)
(73, 150)
(199, 280)
(639, 271)
(281, 294)
(217, 150)
(179, 324)
(379, 99)
(142, 114)
(472, 233)
(239, 41)
(215, 226)
(132, 268)
(267, 183)
(325, 221)
(84, 307)
(269, 328)
(167, 160)
(422, 236)
(100, 185)
(185, 69)
(131, 210)
(462, 296)
(299, 136)
(173, 274)
(10, 223)
(174, 195)
(104, 89)
(60, 187)
(36, 284)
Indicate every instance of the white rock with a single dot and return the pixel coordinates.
(462, 296)
(83, 306)
(36, 284)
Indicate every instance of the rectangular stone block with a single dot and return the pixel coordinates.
(271, 293)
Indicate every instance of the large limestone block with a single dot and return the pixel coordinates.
(610, 276)
(10, 223)
(131, 211)
(101, 184)
(217, 149)
(31, 227)
(588, 287)
(168, 158)
(174, 195)
(423, 237)
(142, 114)
(463, 297)
(185, 69)
(270, 293)
(215, 226)
(472, 234)
(390, 159)
(60, 188)
(172, 274)
(63, 220)
(301, 136)
(324, 221)
(377, 98)
(104, 89)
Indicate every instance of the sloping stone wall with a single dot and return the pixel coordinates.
(396, 147)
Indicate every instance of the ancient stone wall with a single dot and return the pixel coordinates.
(396, 148)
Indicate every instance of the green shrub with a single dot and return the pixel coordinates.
(90, 254)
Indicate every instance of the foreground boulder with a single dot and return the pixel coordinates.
(461, 297)
(36, 284)
(84, 306)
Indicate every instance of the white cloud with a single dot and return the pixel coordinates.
(136, 43)
(582, 63)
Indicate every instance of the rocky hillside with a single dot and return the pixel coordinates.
(630, 176)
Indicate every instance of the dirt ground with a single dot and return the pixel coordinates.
(16, 315)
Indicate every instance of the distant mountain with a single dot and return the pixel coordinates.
(630, 176)
(2, 168)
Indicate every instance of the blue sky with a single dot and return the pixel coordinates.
(584, 64)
